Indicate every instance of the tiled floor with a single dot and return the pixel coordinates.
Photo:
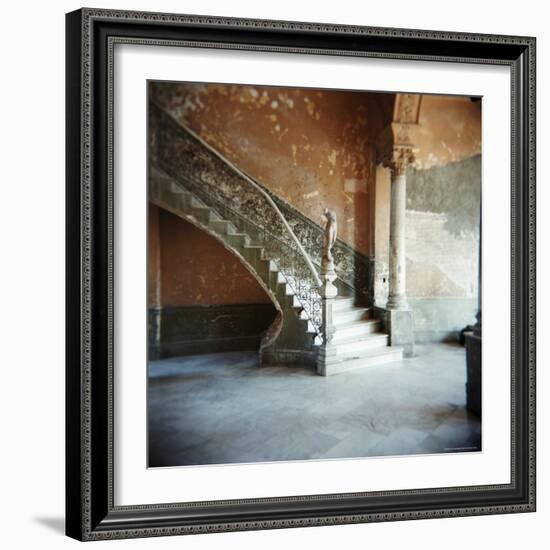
(223, 408)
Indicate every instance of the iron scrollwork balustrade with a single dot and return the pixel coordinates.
(355, 270)
(200, 169)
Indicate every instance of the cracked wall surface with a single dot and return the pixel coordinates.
(443, 208)
(313, 148)
(316, 148)
(449, 130)
(442, 230)
(442, 219)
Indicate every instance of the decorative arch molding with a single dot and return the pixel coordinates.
(406, 108)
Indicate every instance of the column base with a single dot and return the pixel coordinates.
(397, 302)
(399, 324)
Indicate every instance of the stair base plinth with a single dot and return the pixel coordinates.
(288, 358)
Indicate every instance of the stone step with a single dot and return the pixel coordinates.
(253, 257)
(296, 302)
(215, 217)
(197, 203)
(273, 266)
(252, 253)
(178, 189)
(179, 202)
(201, 214)
(311, 328)
(237, 240)
(350, 362)
(357, 328)
(344, 316)
(355, 345)
(282, 293)
(221, 227)
(289, 291)
(273, 282)
(343, 304)
(293, 302)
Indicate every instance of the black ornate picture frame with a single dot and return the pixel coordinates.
(90, 509)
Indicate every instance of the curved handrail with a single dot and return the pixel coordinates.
(264, 194)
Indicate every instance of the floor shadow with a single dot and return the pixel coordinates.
(56, 524)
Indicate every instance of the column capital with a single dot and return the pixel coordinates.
(394, 146)
(398, 159)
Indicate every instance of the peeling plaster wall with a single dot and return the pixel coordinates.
(439, 263)
(443, 199)
(453, 190)
(449, 130)
(197, 270)
(443, 206)
(442, 246)
(442, 218)
(314, 148)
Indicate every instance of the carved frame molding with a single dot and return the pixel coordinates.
(91, 513)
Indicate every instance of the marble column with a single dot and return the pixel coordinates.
(401, 157)
(397, 297)
(398, 318)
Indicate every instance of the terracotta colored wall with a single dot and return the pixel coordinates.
(313, 148)
(449, 130)
(197, 270)
(153, 288)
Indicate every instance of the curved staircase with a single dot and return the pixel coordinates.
(190, 179)
(292, 338)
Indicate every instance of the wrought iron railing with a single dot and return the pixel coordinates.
(238, 198)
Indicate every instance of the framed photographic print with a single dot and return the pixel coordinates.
(282, 239)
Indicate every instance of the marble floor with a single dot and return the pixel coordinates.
(222, 408)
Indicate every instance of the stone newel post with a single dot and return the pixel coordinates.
(327, 351)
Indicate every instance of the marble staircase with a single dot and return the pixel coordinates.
(293, 339)
(359, 340)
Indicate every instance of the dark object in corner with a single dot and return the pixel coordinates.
(473, 372)
(462, 334)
